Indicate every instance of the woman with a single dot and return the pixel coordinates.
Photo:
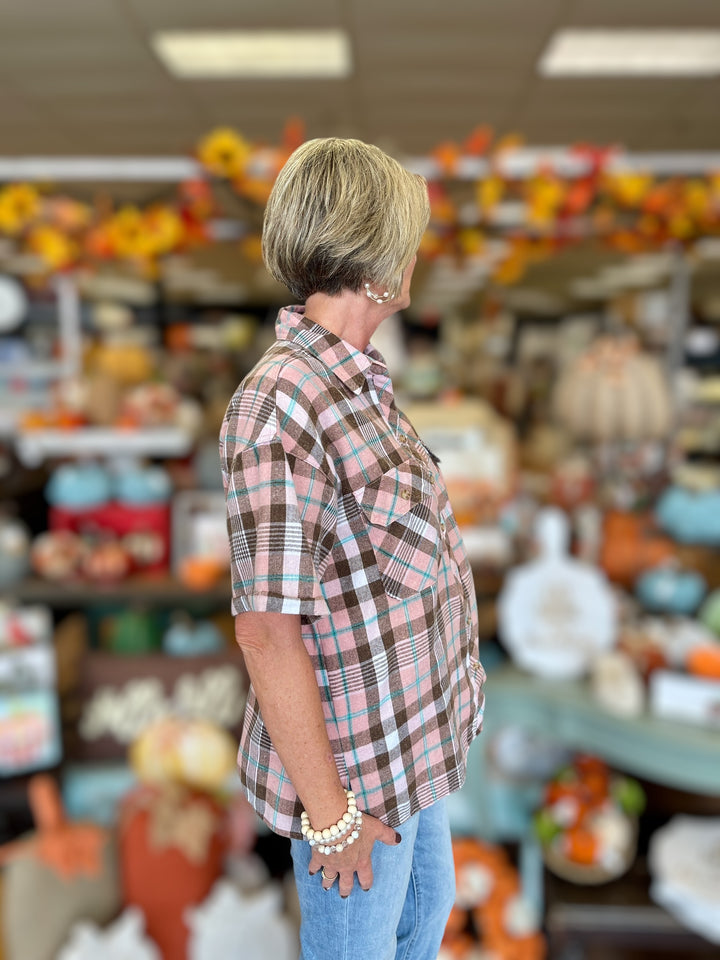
(354, 601)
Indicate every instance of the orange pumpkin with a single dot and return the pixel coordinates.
(704, 661)
(580, 846)
(631, 545)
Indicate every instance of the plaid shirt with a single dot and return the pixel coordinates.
(337, 512)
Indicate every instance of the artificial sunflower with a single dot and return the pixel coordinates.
(224, 153)
(629, 189)
(489, 193)
(128, 234)
(55, 248)
(471, 241)
(165, 229)
(545, 196)
(19, 206)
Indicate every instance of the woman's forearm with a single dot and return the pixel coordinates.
(284, 682)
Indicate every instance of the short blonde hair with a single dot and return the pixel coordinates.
(343, 213)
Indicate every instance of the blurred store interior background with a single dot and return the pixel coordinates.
(561, 355)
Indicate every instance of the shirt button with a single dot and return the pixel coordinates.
(442, 526)
(405, 494)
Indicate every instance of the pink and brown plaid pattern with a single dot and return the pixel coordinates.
(337, 511)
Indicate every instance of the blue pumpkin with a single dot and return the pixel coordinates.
(668, 590)
(143, 486)
(690, 517)
(185, 639)
(78, 486)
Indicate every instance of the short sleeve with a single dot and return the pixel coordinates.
(281, 518)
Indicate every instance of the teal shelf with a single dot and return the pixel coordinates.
(497, 808)
(671, 753)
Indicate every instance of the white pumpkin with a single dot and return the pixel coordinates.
(614, 391)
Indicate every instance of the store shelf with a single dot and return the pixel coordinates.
(34, 446)
(618, 919)
(667, 752)
(159, 590)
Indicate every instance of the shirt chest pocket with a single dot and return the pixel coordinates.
(401, 514)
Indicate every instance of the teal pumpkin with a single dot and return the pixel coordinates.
(668, 590)
(185, 639)
(690, 517)
(78, 486)
(143, 486)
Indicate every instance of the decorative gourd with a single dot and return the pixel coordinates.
(151, 404)
(614, 391)
(669, 590)
(58, 554)
(587, 822)
(195, 753)
(689, 516)
(106, 561)
(134, 632)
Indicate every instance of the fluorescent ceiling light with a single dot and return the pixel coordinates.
(600, 52)
(207, 54)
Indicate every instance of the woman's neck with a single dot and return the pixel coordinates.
(351, 316)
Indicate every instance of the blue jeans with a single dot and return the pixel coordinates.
(402, 916)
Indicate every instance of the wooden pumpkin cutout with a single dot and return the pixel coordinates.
(64, 873)
(556, 613)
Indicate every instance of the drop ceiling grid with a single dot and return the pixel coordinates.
(83, 73)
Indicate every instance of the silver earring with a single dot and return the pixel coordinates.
(378, 298)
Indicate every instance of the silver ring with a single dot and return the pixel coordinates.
(326, 877)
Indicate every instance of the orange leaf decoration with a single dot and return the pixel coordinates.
(293, 134)
(447, 155)
(478, 142)
(630, 189)
(511, 141)
(510, 270)
(53, 246)
(579, 197)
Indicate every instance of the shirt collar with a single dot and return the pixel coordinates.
(347, 363)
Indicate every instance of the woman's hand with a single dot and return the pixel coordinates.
(354, 859)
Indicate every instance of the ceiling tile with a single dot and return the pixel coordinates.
(80, 14)
(214, 14)
(477, 16)
(641, 13)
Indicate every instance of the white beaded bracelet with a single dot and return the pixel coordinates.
(338, 836)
